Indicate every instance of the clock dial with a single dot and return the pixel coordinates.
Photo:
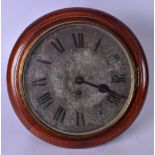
(78, 78)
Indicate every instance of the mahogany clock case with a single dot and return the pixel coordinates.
(68, 15)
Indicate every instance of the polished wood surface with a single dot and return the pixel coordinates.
(43, 24)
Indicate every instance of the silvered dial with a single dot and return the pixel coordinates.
(78, 78)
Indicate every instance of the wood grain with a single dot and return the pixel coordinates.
(43, 24)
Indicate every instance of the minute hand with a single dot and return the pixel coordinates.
(103, 88)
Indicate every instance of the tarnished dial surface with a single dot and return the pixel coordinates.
(78, 78)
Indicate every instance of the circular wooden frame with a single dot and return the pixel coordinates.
(53, 19)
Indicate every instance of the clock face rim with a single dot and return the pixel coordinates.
(53, 19)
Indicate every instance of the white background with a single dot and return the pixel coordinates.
(16, 16)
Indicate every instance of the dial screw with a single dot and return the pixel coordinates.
(79, 92)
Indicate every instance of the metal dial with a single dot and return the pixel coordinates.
(78, 78)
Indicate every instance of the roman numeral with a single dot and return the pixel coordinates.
(40, 82)
(113, 99)
(78, 40)
(60, 114)
(45, 100)
(44, 62)
(80, 119)
(97, 45)
(58, 45)
(118, 78)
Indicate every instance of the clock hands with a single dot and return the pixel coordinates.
(103, 88)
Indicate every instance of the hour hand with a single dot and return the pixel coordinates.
(104, 88)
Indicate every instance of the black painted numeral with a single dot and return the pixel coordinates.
(97, 45)
(78, 40)
(45, 100)
(57, 44)
(40, 82)
(80, 119)
(113, 99)
(118, 78)
(44, 62)
(60, 114)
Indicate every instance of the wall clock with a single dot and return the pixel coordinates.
(77, 77)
